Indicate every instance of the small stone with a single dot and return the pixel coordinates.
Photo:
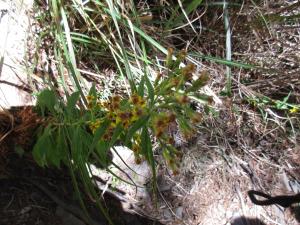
(179, 212)
(25, 210)
(167, 214)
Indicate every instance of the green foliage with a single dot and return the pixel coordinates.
(88, 134)
(189, 6)
(264, 102)
(65, 138)
(128, 120)
(47, 101)
(83, 129)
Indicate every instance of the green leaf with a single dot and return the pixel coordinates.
(202, 98)
(150, 88)
(190, 8)
(71, 101)
(148, 153)
(93, 91)
(141, 86)
(47, 100)
(224, 61)
(53, 153)
(285, 99)
(99, 133)
(147, 146)
(199, 83)
(116, 135)
(61, 148)
(41, 148)
(75, 143)
(121, 179)
(135, 127)
(68, 50)
(102, 149)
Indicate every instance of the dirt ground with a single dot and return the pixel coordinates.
(32, 195)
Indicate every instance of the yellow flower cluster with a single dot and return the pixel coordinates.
(187, 72)
(172, 92)
(91, 100)
(182, 99)
(117, 112)
(161, 122)
(94, 125)
(196, 117)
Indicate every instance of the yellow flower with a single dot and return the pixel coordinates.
(108, 134)
(170, 141)
(196, 117)
(116, 98)
(181, 55)
(182, 99)
(160, 123)
(187, 72)
(158, 132)
(136, 148)
(142, 102)
(137, 113)
(134, 99)
(294, 109)
(137, 100)
(174, 82)
(90, 105)
(90, 101)
(94, 125)
(137, 159)
(158, 77)
(111, 116)
(124, 118)
(169, 57)
(126, 124)
(90, 98)
(105, 104)
(115, 105)
(115, 102)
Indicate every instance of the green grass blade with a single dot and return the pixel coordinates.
(224, 61)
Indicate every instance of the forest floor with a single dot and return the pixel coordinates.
(251, 142)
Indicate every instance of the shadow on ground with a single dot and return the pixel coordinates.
(33, 195)
(247, 221)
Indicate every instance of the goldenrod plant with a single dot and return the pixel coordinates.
(78, 136)
(132, 120)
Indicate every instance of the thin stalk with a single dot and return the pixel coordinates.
(228, 48)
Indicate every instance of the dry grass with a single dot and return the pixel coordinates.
(242, 144)
(18, 128)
